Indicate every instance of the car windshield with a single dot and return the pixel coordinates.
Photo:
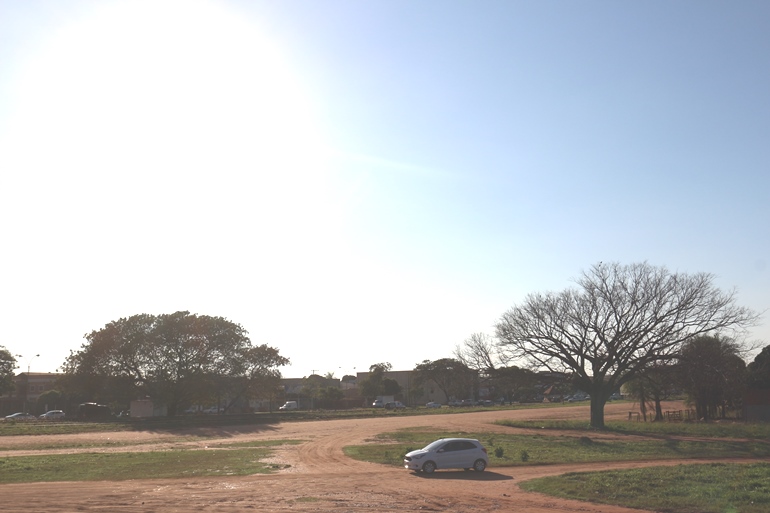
(434, 445)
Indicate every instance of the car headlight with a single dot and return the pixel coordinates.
(417, 456)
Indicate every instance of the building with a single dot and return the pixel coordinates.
(756, 405)
(28, 387)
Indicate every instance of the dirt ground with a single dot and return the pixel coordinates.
(319, 477)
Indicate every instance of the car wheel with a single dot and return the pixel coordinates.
(480, 465)
(428, 467)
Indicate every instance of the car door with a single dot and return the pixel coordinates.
(448, 455)
(465, 455)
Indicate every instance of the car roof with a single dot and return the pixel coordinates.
(459, 439)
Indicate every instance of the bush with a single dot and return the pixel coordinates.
(524, 455)
(499, 451)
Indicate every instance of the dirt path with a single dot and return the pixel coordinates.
(319, 476)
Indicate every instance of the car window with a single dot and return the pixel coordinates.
(452, 446)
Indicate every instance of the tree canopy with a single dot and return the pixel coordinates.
(712, 373)
(452, 377)
(175, 359)
(7, 370)
(376, 383)
(759, 370)
(618, 321)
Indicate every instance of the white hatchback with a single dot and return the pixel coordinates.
(464, 453)
(53, 414)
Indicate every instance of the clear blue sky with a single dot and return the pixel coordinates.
(363, 182)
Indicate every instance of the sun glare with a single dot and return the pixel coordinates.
(164, 112)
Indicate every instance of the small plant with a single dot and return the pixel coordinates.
(499, 451)
(584, 440)
(524, 455)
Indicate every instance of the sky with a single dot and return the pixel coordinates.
(364, 182)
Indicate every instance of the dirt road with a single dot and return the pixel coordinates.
(319, 477)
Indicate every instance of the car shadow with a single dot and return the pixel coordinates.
(465, 476)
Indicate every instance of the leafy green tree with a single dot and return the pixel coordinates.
(50, 400)
(176, 359)
(712, 373)
(758, 371)
(618, 322)
(390, 387)
(330, 396)
(513, 383)
(376, 383)
(653, 386)
(311, 387)
(258, 376)
(452, 377)
(7, 371)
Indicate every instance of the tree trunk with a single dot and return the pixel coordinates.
(597, 410)
(658, 410)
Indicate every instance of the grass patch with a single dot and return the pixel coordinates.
(544, 450)
(11, 428)
(704, 488)
(226, 460)
(725, 429)
(33, 445)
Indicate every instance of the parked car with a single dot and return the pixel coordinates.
(433, 404)
(395, 405)
(93, 411)
(53, 415)
(288, 405)
(464, 453)
(20, 416)
(378, 403)
(212, 410)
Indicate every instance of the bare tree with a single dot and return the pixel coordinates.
(479, 352)
(617, 322)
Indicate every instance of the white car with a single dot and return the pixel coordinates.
(52, 415)
(464, 453)
(433, 404)
(20, 416)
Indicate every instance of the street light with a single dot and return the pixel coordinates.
(26, 388)
(30, 362)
